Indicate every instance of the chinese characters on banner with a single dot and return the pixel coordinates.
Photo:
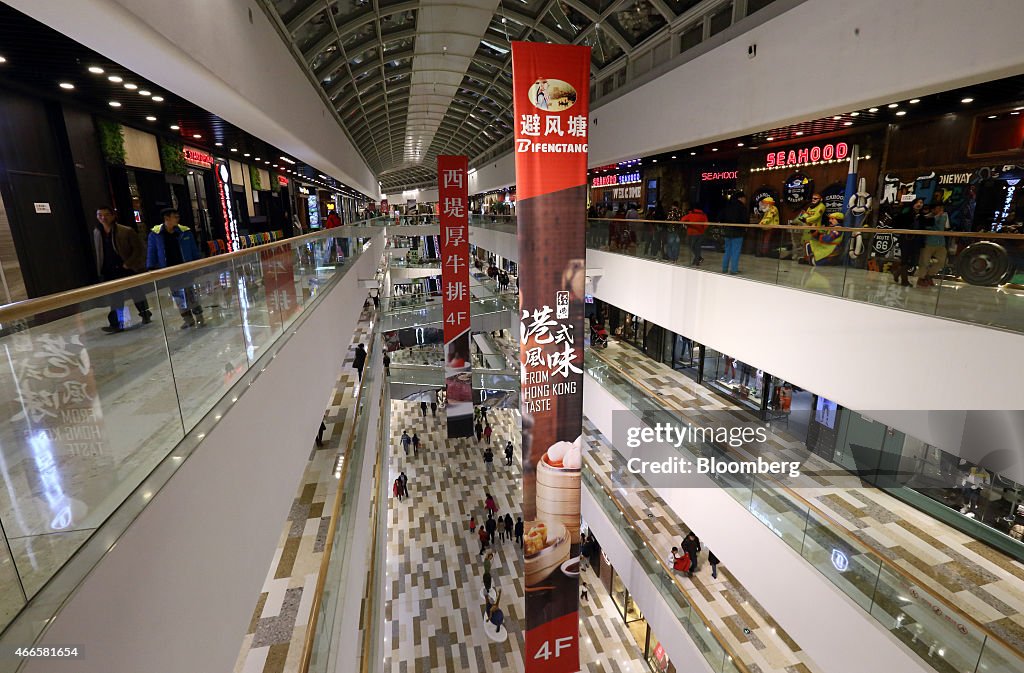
(453, 203)
(551, 85)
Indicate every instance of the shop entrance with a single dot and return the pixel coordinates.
(197, 182)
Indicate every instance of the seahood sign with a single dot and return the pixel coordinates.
(804, 155)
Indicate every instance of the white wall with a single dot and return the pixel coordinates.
(837, 634)
(495, 174)
(208, 53)
(671, 632)
(420, 195)
(497, 242)
(177, 591)
(848, 351)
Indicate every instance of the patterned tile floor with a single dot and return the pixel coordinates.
(967, 573)
(764, 647)
(274, 640)
(433, 587)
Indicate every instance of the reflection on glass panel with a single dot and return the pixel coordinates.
(691, 37)
(757, 5)
(311, 32)
(364, 34)
(610, 49)
(288, 9)
(849, 568)
(12, 598)
(682, 6)
(394, 47)
(326, 55)
(398, 21)
(721, 19)
(362, 57)
(346, 10)
(565, 20)
(638, 21)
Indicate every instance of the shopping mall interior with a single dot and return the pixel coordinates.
(615, 336)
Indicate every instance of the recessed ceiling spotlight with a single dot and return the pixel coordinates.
(1018, 109)
(175, 127)
(115, 79)
(655, 161)
(66, 85)
(914, 101)
(892, 105)
(739, 144)
(837, 117)
(219, 144)
(799, 133)
(114, 103)
(901, 113)
(967, 100)
(197, 135)
(96, 70)
(151, 118)
(158, 99)
(854, 114)
(991, 116)
(769, 138)
(872, 109)
(143, 92)
(673, 156)
(246, 154)
(693, 154)
(847, 123)
(234, 149)
(714, 149)
(130, 86)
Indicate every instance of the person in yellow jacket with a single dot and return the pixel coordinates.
(824, 242)
(769, 217)
(811, 216)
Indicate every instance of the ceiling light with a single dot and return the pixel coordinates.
(991, 116)
(151, 118)
(234, 149)
(901, 113)
(854, 114)
(892, 105)
(655, 161)
(693, 154)
(158, 99)
(114, 103)
(769, 138)
(673, 156)
(131, 87)
(847, 123)
(799, 133)
(873, 109)
(257, 158)
(714, 149)
(966, 100)
(143, 92)
(915, 100)
(1015, 113)
(837, 117)
(175, 127)
(219, 144)
(275, 166)
(739, 144)
(287, 160)
(246, 154)
(197, 135)
(96, 70)
(1018, 109)
(115, 79)
(66, 85)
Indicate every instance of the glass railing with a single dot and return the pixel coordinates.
(326, 644)
(104, 383)
(932, 626)
(431, 313)
(702, 631)
(969, 276)
(403, 263)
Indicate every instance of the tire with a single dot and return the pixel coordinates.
(985, 263)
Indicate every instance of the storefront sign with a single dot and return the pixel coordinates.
(615, 179)
(797, 189)
(551, 170)
(226, 206)
(833, 197)
(627, 192)
(282, 180)
(807, 155)
(304, 190)
(196, 157)
(453, 201)
(710, 176)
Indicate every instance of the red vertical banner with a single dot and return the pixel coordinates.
(551, 87)
(453, 205)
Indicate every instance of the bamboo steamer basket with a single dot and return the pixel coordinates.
(558, 497)
(539, 566)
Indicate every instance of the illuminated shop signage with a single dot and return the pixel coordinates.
(805, 155)
(224, 191)
(709, 176)
(615, 179)
(282, 180)
(195, 157)
(304, 190)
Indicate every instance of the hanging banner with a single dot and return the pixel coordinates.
(453, 200)
(551, 85)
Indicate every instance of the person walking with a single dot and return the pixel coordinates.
(910, 244)
(584, 554)
(171, 244)
(360, 360)
(696, 224)
(119, 254)
(333, 220)
(933, 254)
(423, 408)
(487, 572)
(491, 525)
(519, 531)
(487, 434)
(387, 365)
(321, 431)
(433, 407)
(479, 428)
(403, 479)
(490, 505)
(472, 524)
(483, 537)
(415, 444)
(691, 545)
(509, 525)
(406, 441)
(501, 529)
(713, 562)
(488, 458)
(734, 212)
(508, 452)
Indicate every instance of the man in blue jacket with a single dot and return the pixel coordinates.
(171, 244)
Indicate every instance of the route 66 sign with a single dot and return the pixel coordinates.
(882, 242)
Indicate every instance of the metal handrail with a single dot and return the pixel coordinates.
(839, 529)
(51, 302)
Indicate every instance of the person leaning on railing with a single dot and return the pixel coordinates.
(170, 244)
